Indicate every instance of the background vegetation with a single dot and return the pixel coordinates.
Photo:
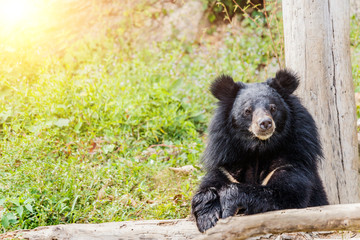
(90, 129)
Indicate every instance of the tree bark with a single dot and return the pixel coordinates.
(179, 229)
(326, 218)
(317, 47)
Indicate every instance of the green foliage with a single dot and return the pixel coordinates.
(355, 58)
(262, 22)
(227, 9)
(355, 54)
(90, 136)
(17, 212)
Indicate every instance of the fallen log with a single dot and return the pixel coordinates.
(325, 218)
(180, 229)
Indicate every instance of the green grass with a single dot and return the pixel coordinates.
(89, 136)
(355, 57)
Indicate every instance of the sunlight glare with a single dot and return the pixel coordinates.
(13, 12)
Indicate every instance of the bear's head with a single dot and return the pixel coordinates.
(258, 110)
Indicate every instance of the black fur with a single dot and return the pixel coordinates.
(293, 151)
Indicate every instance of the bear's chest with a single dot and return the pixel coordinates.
(254, 173)
(257, 171)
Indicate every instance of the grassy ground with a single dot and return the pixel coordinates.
(355, 59)
(355, 52)
(89, 136)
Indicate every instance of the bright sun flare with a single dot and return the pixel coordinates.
(13, 12)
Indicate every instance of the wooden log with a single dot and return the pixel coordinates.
(326, 218)
(180, 229)
(317, 47)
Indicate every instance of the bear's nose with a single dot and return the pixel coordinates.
(265, 123)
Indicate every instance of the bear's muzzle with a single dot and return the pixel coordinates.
(262, 126)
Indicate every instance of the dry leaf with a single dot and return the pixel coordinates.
(184, 169)
(101, 193)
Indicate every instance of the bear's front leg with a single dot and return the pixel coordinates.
(229, 200)
(206, 208)
(287, 188)
(252, 199)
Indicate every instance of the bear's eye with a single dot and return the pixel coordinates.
(248, 111)
(272, 108)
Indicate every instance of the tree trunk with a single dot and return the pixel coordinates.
(317, 47)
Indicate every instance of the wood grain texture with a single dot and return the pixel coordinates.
(317, 47)
(326, 218)
(179, 229)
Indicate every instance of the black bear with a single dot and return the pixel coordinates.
(262, 151)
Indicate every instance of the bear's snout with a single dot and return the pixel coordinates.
(265, 123)
(262, 126)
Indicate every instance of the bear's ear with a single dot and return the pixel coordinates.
(285, 81)
(224, 88)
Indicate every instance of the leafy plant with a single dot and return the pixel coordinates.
(226, 9)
